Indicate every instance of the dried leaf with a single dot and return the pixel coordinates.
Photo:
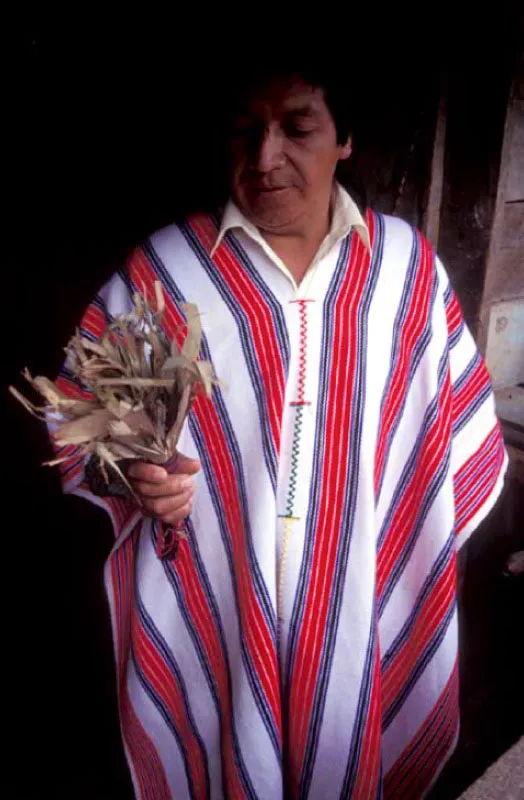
(94, 347)
(141, 382)
(160, 300)
(175, 350)
(33, 410)
(158, 353)
(91, 426)
(141, 387)
(122, 451)
(106, 456)
(55, 461)
(183, 410)
(139, 421)
(118, 428)
(191, 347)
(207, 377)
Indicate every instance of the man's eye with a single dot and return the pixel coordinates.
(297, 131)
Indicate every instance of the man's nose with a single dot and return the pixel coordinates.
(269, 154)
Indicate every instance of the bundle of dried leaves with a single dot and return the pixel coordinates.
(141, 387)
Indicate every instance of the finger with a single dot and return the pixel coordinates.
(164, 506)
(150, 473)
(174, 485)
(185, 465)
(179, 515)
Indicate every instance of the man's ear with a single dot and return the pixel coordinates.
(345, 150)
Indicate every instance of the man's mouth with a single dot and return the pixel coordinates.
(269, 189)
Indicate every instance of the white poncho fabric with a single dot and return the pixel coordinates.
(302, 642)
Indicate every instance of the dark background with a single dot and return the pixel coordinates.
(111, 134)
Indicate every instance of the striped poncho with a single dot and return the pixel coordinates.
(302, 643)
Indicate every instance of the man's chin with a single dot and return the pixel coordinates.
(272, 220)
(270, 209)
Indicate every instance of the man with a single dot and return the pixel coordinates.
(301, 640)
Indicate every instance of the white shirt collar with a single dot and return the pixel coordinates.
(346, 215)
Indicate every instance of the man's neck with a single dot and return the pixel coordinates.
(298, 248)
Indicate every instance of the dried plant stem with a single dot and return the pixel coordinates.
(139, 389)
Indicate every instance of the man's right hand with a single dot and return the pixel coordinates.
(168, 496)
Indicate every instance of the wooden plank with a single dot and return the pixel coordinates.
(513, 225)
(510, 275)
(499, 276)
(505, 348)
(515, 186)
(432, 218)
(510, 404)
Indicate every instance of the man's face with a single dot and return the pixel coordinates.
(284, 154)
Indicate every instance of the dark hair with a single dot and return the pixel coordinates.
(331, 75)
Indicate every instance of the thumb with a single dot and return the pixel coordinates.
(186, 466)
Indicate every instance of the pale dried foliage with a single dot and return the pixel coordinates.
(140, 385)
